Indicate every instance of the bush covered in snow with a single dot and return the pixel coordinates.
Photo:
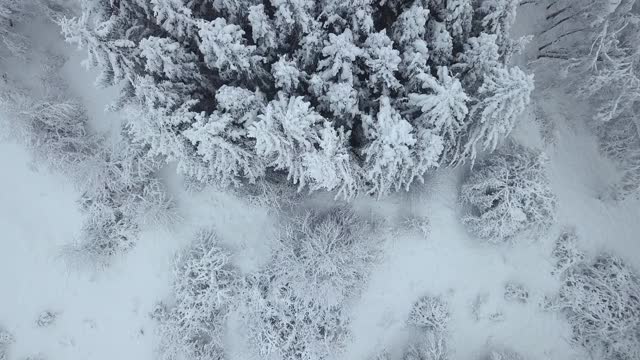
(508, 193)
(6, 339)
(281, 325)
(351, 97)
(325, 256)
(503, 354)
(12, 13)
(430, 345)
(429, 318)
(295, 307)
(204, 291)
(516, 292)
(601, 300)
(429, 312)
(121, 193)
(46, 318)
(620, 141)
(566, 252)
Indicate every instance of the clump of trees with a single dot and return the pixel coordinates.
(295, 307)
(508, 193)
(360, 98)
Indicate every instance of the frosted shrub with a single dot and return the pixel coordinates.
(205, 285)
(508, 193)
(419, 224)
(602, 303)
(620, 141)
(353, 98)
(121, 194)
(46, 318)
(382, 355)
(295, 307)
(51, 126)
(566, 252)
(12, 13)
(431, 345)
(595, 41)
(6, 339)
(515, 292)
(503, 354)
(283, 326)
(429, 312)
(325, 256)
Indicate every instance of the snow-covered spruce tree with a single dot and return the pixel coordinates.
(601, 300)
(205, 286)
(294, 308)
(507, 194)
(354, 98)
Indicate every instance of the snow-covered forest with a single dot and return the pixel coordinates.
(320, 179)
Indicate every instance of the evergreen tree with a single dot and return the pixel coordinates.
(504, 96)
(323, 70)
(444, 108)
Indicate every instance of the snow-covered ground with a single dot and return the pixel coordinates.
(105, 314)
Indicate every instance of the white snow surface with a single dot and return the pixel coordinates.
(105, 314)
